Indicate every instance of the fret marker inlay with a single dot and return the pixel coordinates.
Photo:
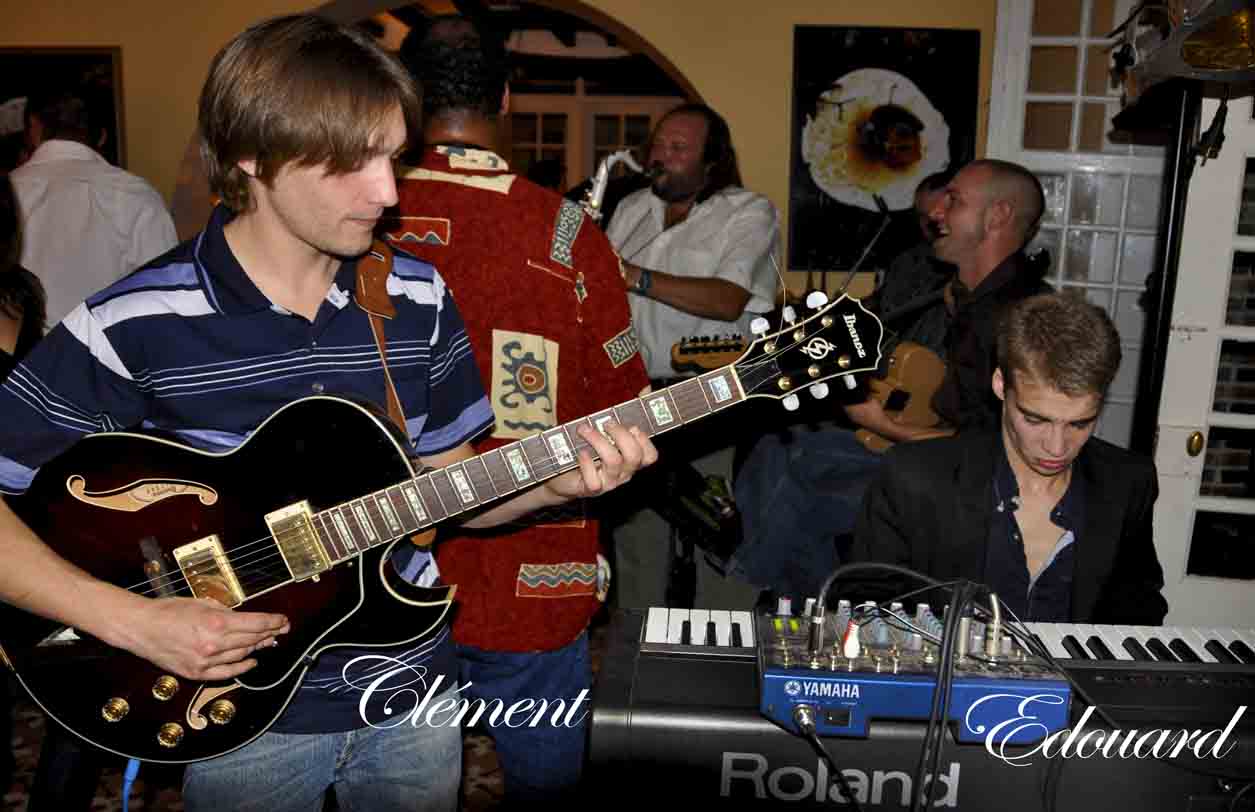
(560, 448)
(660, 410)
(415, 503)
(463, 486)
(720, 389)
(518, 464)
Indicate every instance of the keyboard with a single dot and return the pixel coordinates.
(1146, 644)
(697, 631)
(681, 721)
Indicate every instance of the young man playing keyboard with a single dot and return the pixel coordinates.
(1056, 522)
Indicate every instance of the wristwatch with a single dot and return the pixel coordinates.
(643, 281)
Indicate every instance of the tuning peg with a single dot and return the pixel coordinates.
(791, 403)
(819, 390)
(789, 314)
(850, 383)
(759, 326)
(816, 299)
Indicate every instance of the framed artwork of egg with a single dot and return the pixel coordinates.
(875, 111)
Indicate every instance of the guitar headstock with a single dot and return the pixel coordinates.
(839, 340)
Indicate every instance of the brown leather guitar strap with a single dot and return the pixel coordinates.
(372, 297)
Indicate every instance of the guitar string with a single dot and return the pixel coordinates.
(239, 561)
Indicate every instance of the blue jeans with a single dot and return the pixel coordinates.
(796, 494)
(540, 763)
(406, 767)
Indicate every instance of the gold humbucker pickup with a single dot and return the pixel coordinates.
(208, 572)
(293, 530)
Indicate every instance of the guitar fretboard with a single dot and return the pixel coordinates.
(416, 504)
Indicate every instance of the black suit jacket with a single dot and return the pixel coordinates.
(931, 505)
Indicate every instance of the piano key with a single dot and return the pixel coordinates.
(723, 626)
(746, 621)
(1184, 652)
(1051, 636)
(686, 633)
(1221, 654)
(1099, 648)
(656, 625)
(675, 624)
(1243, 651)
(1113, 637)
(711, 635)
(1134, 647)
(1197, 639)
(1074, 648)
(736, 641)
(1156, 646)
(699, 618)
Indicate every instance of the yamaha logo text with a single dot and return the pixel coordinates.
(830, 689)
(858, 342)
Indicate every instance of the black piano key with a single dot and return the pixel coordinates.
(1183, 651)
(686, 633)
(1243, 652)
(1075, 648)
(1136, 650)
(1216, 649)
(1098, 647)
(711, 638)
(1158, 648)
(736, 635)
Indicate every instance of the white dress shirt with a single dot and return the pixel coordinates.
(732, 235)
(85, 223)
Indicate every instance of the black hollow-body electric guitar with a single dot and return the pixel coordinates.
(300, 519)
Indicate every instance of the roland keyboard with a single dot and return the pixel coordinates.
(686, 715)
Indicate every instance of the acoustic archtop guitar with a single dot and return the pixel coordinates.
(300, 519)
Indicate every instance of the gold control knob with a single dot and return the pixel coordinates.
(165, 687)
(769, 347)
(115, 710)
(827, 321)
(843, 362)
(799, 335)
(785, 383)
(221, 711)
(170, 734)
(813, 370)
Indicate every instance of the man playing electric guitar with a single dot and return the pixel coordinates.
(983, 219)
(300, 120)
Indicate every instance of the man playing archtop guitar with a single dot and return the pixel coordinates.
(300, 120)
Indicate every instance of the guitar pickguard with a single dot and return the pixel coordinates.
(140, 494)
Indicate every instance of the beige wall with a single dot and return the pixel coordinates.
(737, 54)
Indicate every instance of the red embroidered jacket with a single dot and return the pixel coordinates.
(538, 286)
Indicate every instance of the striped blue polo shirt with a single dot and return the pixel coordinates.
(188, 345)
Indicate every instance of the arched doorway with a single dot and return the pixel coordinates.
(583, 85)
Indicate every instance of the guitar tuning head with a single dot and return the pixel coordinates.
(789, 314)
(816, 299)
(819, 390)
(791, 403)
(759, 326)
(850, 382)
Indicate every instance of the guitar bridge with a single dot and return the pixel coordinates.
(208, 573)
(293, 530)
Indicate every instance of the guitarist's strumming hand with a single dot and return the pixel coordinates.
(871, 415)
(198, 638)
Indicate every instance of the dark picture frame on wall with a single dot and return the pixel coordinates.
(96, 71)
(875, 110)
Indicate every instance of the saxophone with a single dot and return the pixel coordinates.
(592, 200)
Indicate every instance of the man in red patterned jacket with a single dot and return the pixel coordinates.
(540, 291)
